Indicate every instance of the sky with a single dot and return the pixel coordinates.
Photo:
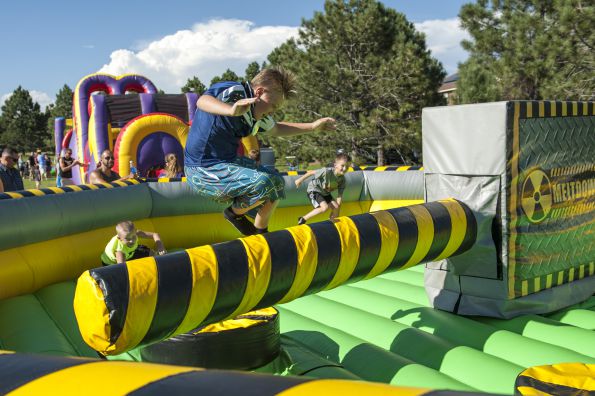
(46, 44)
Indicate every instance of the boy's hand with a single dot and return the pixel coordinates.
(161, 252)
(298, 183)
(324, 124)
(242, 106)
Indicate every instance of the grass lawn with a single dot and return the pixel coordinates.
(44, 183)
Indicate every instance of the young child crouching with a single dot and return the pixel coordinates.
(124, 245)
(320, 187)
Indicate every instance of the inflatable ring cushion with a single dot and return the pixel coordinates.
(245, 342)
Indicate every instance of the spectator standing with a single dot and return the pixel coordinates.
(41, 163)
(65, 164)
(10, 177)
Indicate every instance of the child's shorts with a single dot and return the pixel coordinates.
(241, 182)
(317, 198)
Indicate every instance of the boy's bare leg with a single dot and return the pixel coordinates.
(241, 211)
(316, 211)
(261, 221)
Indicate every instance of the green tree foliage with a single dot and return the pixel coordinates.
(62, 107)
(228, 75)
(252, 70)
(366, 66)
(22, 123)
(194, 85)
(528, 49)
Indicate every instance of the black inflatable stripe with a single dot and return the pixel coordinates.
(391, 168)
(370, 242)
(412, 168)
(470, 233)
(213, 382)
(329, 255)
(116, 297)
(232, 264)
(283, 266)
(408, 234)
(82, 187)
(174, 277)
(5, 196)
(27, 193)
(442, 229)
(20, 369)
(47, 191)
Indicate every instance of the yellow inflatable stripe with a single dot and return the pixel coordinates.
(259, 272)
(307, 260)
(99, 379)
(77, 188)
(142, 300)
(14, 195)
(425, 236)
(350, 248)
(458, 221)
(572, 375)
(403, 168)
(36, 192)
(205, 276)
(57, 190)
(390, 241)
(331, 387)
(91, 313)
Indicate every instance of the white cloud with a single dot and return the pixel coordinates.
(206, 50)
(40, 97)
(88, 46)
(443, 38)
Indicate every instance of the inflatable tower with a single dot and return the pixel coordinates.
(527, 171)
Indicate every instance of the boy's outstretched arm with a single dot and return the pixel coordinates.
(297, 128)
(155, 236)
(210, 104)
(301, 179)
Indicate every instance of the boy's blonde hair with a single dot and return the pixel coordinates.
(277, 78)
(125, 226)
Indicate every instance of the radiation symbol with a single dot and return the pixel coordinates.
(537, 196)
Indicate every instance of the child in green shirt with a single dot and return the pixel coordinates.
(124, 245)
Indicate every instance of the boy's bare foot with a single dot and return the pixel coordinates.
(301, 221)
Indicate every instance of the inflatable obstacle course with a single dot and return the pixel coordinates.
(380, 329)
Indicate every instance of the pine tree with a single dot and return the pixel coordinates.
(528, 49)
(252, 70)
(228, 75)
(194, 85)
(62, 107)
(22, 123)
(366, 66)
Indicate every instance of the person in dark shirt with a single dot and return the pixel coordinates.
(66, 162)
(227, 112)
(10, 177)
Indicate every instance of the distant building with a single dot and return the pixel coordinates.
(449, 88)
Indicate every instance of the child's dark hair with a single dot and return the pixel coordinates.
(342, 156)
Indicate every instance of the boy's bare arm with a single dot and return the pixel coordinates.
(210, 104)
(297, 128)
(120, 259)
(155, 236)
(300, 180)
